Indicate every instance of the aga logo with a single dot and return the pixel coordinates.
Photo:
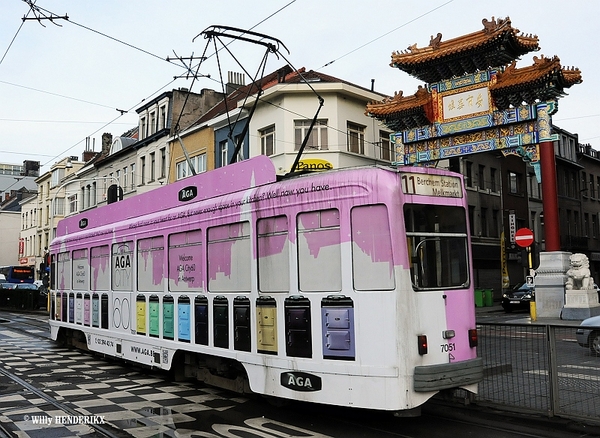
(299, 381)
(188, 193)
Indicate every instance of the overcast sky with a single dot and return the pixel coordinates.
(61, 84)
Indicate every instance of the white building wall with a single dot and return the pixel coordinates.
(10, 224)
(145, 154)
(291, 102)
(29, 219)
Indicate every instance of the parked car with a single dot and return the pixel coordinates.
(518, 298)
(43, 297)
(589, 337)
(42, 300)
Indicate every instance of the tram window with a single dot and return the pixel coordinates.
(122, 266)
(100, 262)
(372, 261)
(437, 246)
(63, 279)
(185, 261)
(435, 218)
(273, 254)
(319, 251)
(81, 270)
(53, 272)
(229, 258)
(151, 264)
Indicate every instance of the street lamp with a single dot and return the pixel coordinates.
(66, 183)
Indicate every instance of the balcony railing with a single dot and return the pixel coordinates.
(574, 243)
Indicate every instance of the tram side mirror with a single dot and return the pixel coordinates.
(114, 194)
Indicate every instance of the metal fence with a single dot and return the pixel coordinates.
(539, 368)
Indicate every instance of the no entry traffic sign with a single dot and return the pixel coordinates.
(524, 237)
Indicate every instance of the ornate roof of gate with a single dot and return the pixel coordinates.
(544, 80)
(404, 112)
(497, 44)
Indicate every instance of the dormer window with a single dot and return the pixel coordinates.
(152, 122)
(163, 117)
(57, 176)
(143, 128)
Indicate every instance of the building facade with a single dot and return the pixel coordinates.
(278, 124)
(503, 191)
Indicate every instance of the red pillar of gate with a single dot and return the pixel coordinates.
(550, 196)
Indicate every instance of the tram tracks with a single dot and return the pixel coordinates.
(452, 419)
(69, 412)
(30, 324)
(38, 328)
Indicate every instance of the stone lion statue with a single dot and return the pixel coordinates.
(578, 275)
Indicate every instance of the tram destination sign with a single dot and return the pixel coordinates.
(431, 185)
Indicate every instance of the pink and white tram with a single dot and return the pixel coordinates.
(350, 287)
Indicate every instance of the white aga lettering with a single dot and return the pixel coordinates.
(299, 381)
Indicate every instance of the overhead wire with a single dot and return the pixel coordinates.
(128, 45)
(92, 30)
(163, 59)
(374, 143)
(14, 38)
(106, 36)
(55, 121)
(56, 94)
(387, 33)
(88, 102)
(135, 48)
(21, 153)
(108, 123)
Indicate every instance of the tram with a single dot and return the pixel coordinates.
(350, 287)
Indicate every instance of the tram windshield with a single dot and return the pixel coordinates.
(437, 245)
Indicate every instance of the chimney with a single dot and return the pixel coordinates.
(88, 155)
(32, 168)
(106, 143)
(235, 80)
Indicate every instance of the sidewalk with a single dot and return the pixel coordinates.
(496, 310)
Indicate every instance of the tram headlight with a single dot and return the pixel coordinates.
(422, 340)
